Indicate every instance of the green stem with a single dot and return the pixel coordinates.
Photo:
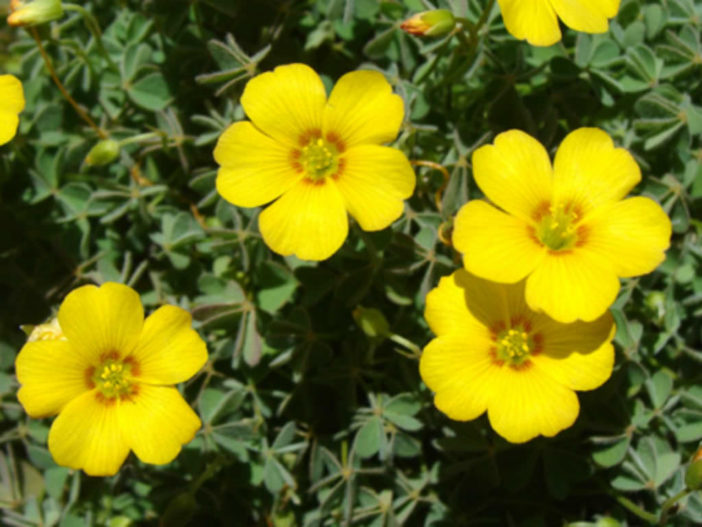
(483, 17)
(635, 509)
(469, 44)
(140, 137)
(668, 504)
(52, 72)
(415, 350)
(93, 26)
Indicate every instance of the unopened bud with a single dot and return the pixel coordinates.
(34, 12)
(371, 321)
(103, 153)
(50, 330)
(435, 23)
(655, 303)
(693, 476)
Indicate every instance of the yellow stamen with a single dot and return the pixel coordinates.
(558, 229)
(114, 378)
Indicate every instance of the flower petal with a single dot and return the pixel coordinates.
(632, 234)
(86, 435)
(286, 103)
(11, 94)
(590, 172)
(156, 422)
(579, 355)
(255, 168)
(374, 182)
(447, 307)
(363, 109)
(460, 371)
(8, 126)
(51, 375)
(573, 285)
(590, 16)
(495, 245)
(308, 221)
(532, 20)
(514, 173)
(102, 320)
(169, 351)
(528, 403)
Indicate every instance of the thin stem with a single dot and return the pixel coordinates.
(93, 26)
(62, 89)
(141, 138)
(416, 352)
(470, 44)
(668, 504)
(635, 509)
(438, 196)
(483, 17)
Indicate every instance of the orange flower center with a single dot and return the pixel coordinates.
(557, 227)
(113, 378)
(515, 344)
(318, 157)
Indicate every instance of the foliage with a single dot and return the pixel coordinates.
(307, 419)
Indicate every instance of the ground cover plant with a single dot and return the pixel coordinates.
(350, 262)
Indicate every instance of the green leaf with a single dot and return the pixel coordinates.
(368, 438)
(659, 388)
(612, 454)
(276, 286)
(150, 92)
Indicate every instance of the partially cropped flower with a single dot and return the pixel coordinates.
(435, 23)
(536, 21)
(110, 380)
(492, 353)
(316, 158)
(11, 105)
(34, 12)
(566, 228)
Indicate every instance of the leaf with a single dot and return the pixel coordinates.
(612, 454)
(659, 388)
(276, 286)
(368, 438)
(150, 92)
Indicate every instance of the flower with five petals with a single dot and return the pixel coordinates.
(315, 158)
(492, 353)
(108, 374)
(565, 228)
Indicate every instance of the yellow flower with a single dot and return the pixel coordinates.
(536, 21)
(110, 380)
(317, 158)
(494, 353)
(564, 227)
(11, 104)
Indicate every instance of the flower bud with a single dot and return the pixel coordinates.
(34, 12)
(371, 321)
(436, 23)
(655, 305)
(50, 330)
(103, 153)
(693, 476)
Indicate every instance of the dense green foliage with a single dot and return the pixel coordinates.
(309, 420)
